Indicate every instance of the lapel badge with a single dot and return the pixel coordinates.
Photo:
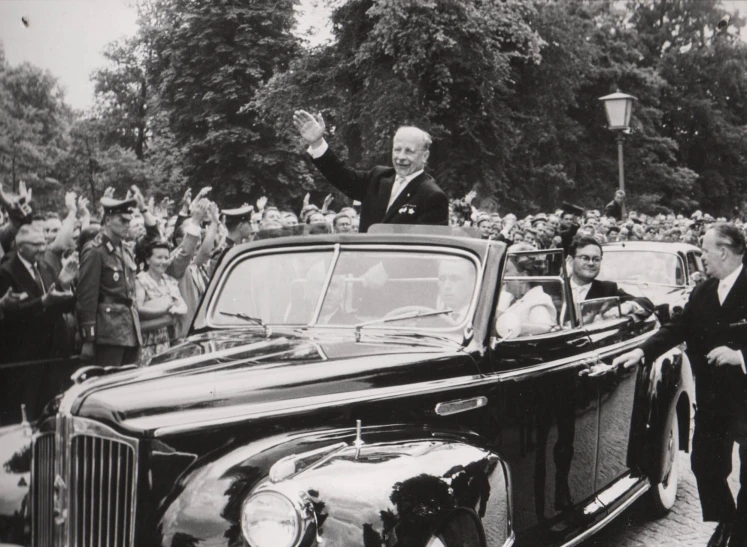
(116, 276)
(109, 246)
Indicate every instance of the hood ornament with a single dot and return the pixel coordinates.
(358, 444)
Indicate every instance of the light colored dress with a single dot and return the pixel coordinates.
(157, 340)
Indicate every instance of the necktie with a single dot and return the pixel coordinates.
(398, 182)
(39, 280)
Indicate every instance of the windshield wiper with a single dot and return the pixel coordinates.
(245, 317)
(413, 315)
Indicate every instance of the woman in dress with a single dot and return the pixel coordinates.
(158, 300)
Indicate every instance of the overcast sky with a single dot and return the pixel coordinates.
(66, 37)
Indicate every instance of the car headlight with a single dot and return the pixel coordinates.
(270, 519)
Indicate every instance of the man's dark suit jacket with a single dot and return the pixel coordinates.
(27, 331)
(704, 325)
(421, 202)
(607, 289)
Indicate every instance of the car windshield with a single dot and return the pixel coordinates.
(353, 287)
(642, 267)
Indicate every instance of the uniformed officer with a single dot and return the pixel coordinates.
(107, 314)
(239, 225)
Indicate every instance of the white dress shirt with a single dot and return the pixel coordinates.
(725, 284)
(33, 271)
(579, 291)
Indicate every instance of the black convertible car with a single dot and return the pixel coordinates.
(398, 388)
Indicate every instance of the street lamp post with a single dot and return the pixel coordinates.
(619, 107)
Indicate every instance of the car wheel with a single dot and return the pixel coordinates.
(460, 531)
(664, 494)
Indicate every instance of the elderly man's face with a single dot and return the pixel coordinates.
(32, 252)
(52, 227)
(408, 151)
(455, 280)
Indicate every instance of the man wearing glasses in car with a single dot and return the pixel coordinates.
(584, 262)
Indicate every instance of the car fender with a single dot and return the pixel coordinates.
(15, 470)
(389, 485)
(665, 390)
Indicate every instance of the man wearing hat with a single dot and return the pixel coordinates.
(402, 194)
(107, 315)
(239, 225)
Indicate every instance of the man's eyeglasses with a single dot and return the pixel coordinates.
(587, 259)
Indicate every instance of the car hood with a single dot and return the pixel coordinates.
(232, 376)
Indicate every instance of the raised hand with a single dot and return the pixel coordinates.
(83, 206)
(69, 270)
(200, 211)
(327, 201)
(311, 128)
(186, 202)
(470, 196)
(109, 192)
(71, 203)
(214, 212)
(306, 199)
(139, 198)
(261, 202)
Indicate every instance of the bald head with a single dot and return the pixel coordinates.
(410, 150)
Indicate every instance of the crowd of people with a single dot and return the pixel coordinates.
(57, 300)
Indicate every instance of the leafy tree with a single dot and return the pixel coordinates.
(441, 65)
(207, 60)
(33, 121)
(122, 94)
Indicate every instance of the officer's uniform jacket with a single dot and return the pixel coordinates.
(107, 308)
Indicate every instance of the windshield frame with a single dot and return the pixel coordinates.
(337, 249)
(608, 251)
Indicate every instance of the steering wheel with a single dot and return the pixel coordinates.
(419, 309)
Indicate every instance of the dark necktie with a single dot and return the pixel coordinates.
(38, 279)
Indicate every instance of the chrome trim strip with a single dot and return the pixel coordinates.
(609, 518)
(624, 345)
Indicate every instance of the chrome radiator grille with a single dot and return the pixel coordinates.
(84, 493)
(43, 475)
(100, 510)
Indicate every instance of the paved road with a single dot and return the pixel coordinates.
(682, 527)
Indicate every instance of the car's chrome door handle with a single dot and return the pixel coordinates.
(600, 369)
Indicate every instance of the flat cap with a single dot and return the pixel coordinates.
(118, 206)
(539, 217)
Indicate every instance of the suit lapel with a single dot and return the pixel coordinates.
(24, 278)
(403, 196)
(737, 292)
(595, 291)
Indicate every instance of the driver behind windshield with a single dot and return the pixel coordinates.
(455, 285)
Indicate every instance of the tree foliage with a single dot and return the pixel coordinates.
(203, 94)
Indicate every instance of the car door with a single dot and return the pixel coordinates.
(545, 418)
(616, 389)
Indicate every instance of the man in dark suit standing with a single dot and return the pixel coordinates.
(402, 194)
(28, 326)
(585, 260)
(716, 349)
